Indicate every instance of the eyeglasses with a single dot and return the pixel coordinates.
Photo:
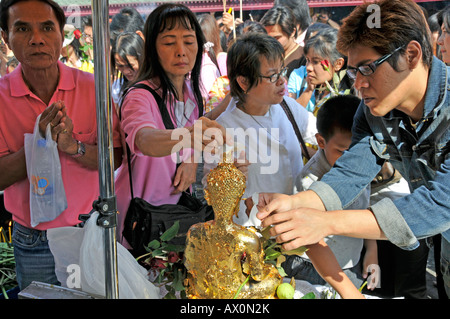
(275, 77)
(87, 36)
(368, 69)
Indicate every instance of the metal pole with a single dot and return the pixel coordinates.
(106, 206)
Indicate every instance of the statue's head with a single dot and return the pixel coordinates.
(225, 187)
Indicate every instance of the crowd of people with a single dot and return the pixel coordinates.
(326, 116)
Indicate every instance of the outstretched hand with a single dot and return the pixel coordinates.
(272, 203)
(292, 225)
(208, 135)
(297, 227)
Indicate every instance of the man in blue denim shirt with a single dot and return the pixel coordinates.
(404, 118)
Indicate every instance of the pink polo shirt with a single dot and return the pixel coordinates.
(19, 108)
(152, 176)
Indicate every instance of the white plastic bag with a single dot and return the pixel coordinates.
(47, 194)
(84, 247)
(65, 243)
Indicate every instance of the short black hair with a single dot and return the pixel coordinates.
(6, 4)
(127, 20)
(243, 59)
(86, 21)
(337, 113)
(300, 9)
(443, 17)
(282, 16)
(168, 16)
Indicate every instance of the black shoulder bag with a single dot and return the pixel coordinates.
(145, 222)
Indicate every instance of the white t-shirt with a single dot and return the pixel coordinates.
(271, 146)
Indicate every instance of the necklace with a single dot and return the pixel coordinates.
(257, 122)
(291, 51)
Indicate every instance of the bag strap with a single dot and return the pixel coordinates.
(168, 124)
(288, 112)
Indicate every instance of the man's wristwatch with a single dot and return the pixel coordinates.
(81, 149)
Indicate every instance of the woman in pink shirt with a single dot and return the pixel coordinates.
(173, 57)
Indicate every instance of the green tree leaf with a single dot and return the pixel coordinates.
(171, 232)
(154, 244)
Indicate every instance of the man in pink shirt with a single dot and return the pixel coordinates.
(65, 97)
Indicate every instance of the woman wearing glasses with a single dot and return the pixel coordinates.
(257, 83)
(259, 123)
(404, 118)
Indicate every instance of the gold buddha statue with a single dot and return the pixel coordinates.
(221, 254)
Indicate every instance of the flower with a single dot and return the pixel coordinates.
(156, 264)
(77, 34)
(173, 257)
(165, 261)
(326, 65)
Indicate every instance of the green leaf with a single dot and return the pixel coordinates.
(174, 248)
(158, 252)
(265, 232)
(297, 251)
(170, 293)
(171, 232)
(178, 279)
(310, 295)
(272, 254)
(240, 287)
(154, 244)
(281, 271)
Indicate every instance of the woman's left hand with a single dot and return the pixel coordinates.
(184, 177)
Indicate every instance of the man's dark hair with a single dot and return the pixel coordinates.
(400, 22)
(336, 114)
(282, 16)
(6, 4)
(127, 20)
(86, 21)
(300, 9)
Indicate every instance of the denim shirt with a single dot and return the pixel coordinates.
(420, 153)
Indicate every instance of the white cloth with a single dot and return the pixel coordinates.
(116, 89)
(183, 112)
(271, 146)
